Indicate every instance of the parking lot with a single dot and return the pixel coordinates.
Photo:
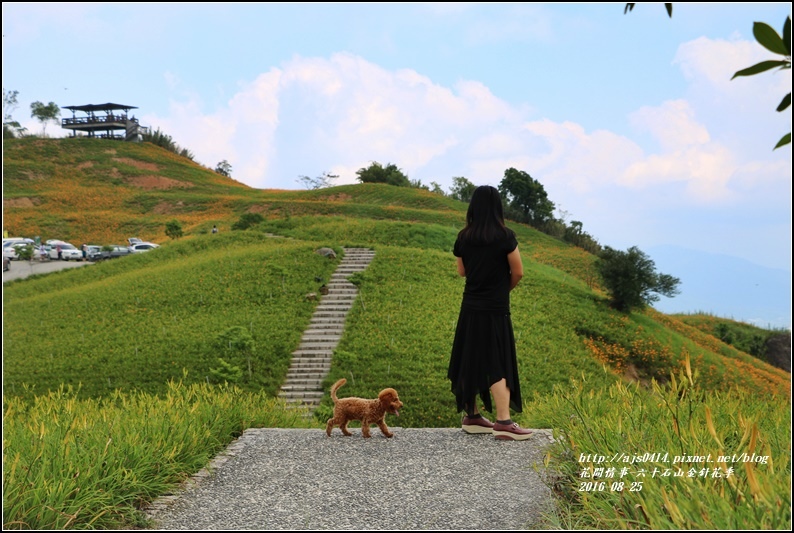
(23, 269)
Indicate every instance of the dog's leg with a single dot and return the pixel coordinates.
(329, 426)
(343, 427)
(384, 428)
(365, 429)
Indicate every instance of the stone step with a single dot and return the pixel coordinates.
(316, 394)
(327, 326)
(328, 316)
(300, 372)
(315, 364)
(327, 323)
(333, 306)
(322, 341)
(302, 387)
(311, 355)
(317, 343)
(338, 315)
(315, 383)
(321, 335)
(309, 372)
(324, 350)
(342, 287)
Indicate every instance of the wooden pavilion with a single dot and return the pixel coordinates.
(104, 121)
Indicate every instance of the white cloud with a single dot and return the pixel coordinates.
(577, 161)
(338, 114)
(713, 62)
(672, 124)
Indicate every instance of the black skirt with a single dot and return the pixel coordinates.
(483, 353)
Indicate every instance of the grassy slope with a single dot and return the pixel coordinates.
(139, 321)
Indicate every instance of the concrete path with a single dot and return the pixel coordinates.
(311, 362)
(23, 269)
(435, 479)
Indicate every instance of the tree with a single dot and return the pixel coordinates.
(224, 169)
(390, 174)
(668, 7)
(526, 197)
(45, 113)
(436, 188)
(417, 184)
(11, 128)
(320, 182)
(631, 279)
(772, 41)
(462, 189)
(173, 229)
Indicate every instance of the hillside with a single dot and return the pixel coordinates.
(135, 323)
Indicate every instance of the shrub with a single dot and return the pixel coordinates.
(630, 278)
(377, 173)
(173, 229)
(248, 220)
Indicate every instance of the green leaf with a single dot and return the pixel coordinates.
(760, 67)
(628, 8)
(785, 102)
(769, 38)
(786, 139)
(669, 8)
(787, 35)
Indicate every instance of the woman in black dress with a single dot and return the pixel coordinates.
(484, 350)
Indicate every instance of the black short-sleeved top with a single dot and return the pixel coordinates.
(487, 273)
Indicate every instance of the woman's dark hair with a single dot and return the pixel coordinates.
(485, 221)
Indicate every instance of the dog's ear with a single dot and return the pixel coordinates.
(387, 396)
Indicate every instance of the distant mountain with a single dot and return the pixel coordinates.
(724, 286)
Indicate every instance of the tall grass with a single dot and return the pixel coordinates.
(674, 457)
(71, 463)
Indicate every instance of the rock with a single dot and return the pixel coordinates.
(327, 252)
(312, 296)
(323, 290)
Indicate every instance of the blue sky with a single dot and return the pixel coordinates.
(630, 121)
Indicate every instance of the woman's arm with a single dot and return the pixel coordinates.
(461, 268)
(516, 268)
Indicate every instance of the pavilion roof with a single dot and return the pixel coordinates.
(99, 107)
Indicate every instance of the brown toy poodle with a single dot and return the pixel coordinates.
(367, 411)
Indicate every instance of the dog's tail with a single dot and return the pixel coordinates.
(334, 388)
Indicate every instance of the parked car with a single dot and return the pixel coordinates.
(68, 251)
(116, 250)
(93, 252)
(10, 247)
(133, 240)
(143, 247)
